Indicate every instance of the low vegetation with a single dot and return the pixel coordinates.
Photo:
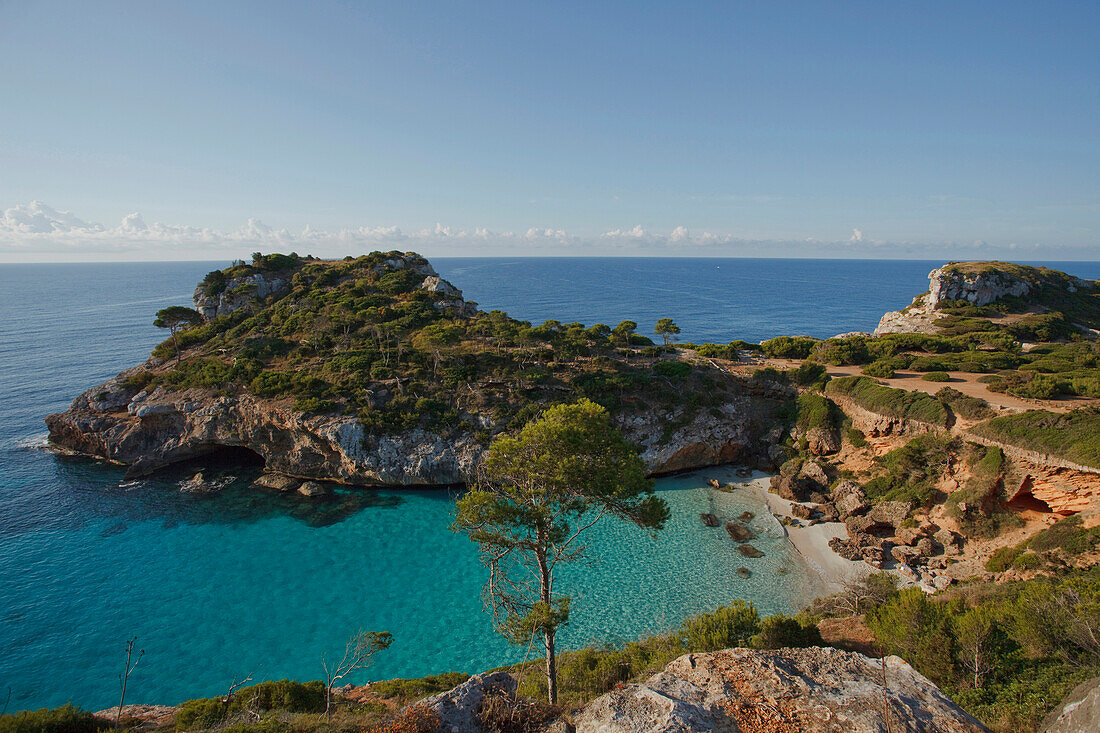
(897, 403)
(1074, 436)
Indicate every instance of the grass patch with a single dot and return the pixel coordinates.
(1072, 436)
(891, 402)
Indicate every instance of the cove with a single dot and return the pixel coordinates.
(219, 586)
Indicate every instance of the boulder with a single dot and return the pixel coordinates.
(823, 441)
(457, 708)
(905, 555)
(908, 535)
(927, 547)
(739, 532)
(815, 472)
(847, 549)
(314, 489)
(277, 482)
(748, 550)
(810, 690)
(892, 513)
(829, 512)
(952, 541)
(802, 511)
(1078, 712)
(817, 497)
(865, 525)
(851, 505)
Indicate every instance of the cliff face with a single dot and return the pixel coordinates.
(979, 284)
(149, 430)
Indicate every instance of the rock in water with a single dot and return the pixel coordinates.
(744, 573)
(314, 489)
(457, 708)
(749, 551)
(739, 532)
(785, 690)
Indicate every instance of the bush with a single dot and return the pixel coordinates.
(879, 370)
(857, 438)
(728, 626)
(1002, 558)
(971, 408)
(917, 629)
(415, 719)
(415, 689)
(936, 377)
(675, 370)
(788, 347)
(65, 719)
(287, 695)
(780, 631)
(1027, 561)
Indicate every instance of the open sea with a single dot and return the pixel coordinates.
(215, 587)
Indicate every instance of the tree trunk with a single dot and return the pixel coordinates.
(549, 630)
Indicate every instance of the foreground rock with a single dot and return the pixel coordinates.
(786, 690)
(458, 708)
(1078, 713)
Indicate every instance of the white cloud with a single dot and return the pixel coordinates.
(38, 232)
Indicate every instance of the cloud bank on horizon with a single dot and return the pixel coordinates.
(37, 232)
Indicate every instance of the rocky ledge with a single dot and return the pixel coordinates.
(785, 691)
(149, 430)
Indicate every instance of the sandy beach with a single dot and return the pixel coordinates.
(812, 543)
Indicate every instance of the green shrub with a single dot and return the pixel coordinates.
(965, 406)
(936, 377)
(1067, 535)
(409, 690)
(879, 369)
(64, 719)
(788, 347)
(1002, 558)
(917, 629)
(675, 370)
(728, 626)
(857, 438)
(285, 695)
(780, 631)
(1027, 561)
(850, 350)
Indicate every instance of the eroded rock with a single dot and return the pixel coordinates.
(786, 690)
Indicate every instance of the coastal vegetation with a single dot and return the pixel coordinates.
(1074, 436)
(898, 403)
(379, 338)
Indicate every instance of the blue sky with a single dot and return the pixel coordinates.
(884, 129)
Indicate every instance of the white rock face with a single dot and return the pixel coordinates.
(457, 708)
(806, 690)
(238, 291)
(980, 288)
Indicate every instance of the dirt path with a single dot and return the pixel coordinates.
(965, 382)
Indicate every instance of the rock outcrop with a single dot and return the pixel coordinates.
(976, 283)
(785, 690)
(148, 431)
(1079, 712)
(458, 708)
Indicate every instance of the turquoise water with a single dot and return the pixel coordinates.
(216, 587)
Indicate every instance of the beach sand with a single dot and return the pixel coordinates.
(812, 543)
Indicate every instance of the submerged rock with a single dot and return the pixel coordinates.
(749, 551)
(739, 532)
(785, 690)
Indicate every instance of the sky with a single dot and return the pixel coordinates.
(195, 130)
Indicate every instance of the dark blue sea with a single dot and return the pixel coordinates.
(217, 587)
